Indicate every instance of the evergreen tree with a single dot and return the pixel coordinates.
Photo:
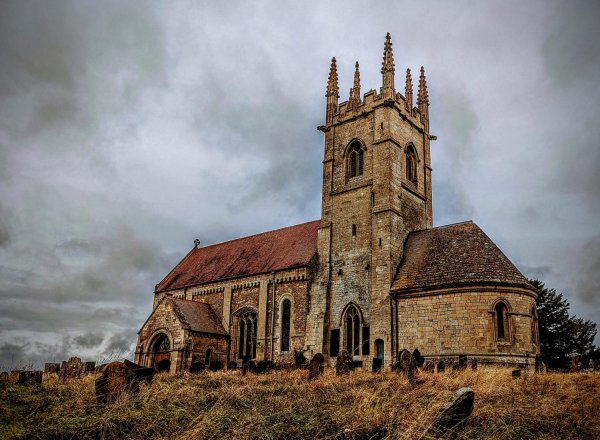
(561, 336)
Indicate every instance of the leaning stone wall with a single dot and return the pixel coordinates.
(448, 323)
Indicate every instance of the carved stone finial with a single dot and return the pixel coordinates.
(332, 82)
(387, 69)
(423, 96)
(197, 243)
(409, 91)
(354, 99)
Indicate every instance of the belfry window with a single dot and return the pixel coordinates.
(352, 331)
(286, 311)
(411, 164)
(501, 315)
(355, 160)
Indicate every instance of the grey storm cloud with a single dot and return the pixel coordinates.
(129, 129)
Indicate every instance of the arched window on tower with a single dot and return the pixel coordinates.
(355, 165)
(286, 312)
(501, 317)
(411, 164)
(352, 331)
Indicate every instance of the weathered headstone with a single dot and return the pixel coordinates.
(474, 364)
(440, 367)
(377, 365)
(197, 367)
(408, 364)
(316, 367)
(516, 373)
(397, 366)
(453, 413)
(575, 364)
(120, 377)
(51, 367)
(420, 360)
(462, 362)
(30, 377)
(343, 364)
(429, 367)
(74, 369)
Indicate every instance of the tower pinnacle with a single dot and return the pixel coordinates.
(354, 100)
(387, 70)
(332, 92)
(423, 98)
(409, 92)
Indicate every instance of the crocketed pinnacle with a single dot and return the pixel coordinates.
(388, 55)
(409, 90)
(423, 96)
(355, 94)
(332, 82)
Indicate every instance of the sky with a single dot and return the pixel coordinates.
(128, 129)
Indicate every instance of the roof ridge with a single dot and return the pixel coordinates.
(445, 226)
(256, 235)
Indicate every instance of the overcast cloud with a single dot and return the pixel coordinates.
(127, 129)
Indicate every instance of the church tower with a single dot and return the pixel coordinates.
(376, 189)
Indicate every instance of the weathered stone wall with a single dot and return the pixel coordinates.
(447, 323)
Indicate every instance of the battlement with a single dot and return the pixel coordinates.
(388, 96)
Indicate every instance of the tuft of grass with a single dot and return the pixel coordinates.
(283, 405)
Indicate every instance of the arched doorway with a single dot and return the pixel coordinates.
(378, 359)
(161, 350)
(207, 357)
(246, 335)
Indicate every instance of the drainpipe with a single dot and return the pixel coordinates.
(272, 314)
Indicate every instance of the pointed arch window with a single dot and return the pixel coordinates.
(352, 331)
(247, 330)
(355, 165)
(286, 313)
(501, 317)
(411, 164)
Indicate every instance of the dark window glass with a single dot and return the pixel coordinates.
(501, 320)
(242, 339)
(286, 307)
(353, 230)
(366, 340)
(334, 343)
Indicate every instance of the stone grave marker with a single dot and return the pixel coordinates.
(30, 377)
(343, 364)
(453, 413)
(316, 367)
(440, 367)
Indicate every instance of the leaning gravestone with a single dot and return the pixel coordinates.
(408, 365)
(440, 367)
(474, 364)
(120, 377)
(429, 367)
(453, 413)
(316, 366)
(420, 360)
(343, 364)
(74, 369)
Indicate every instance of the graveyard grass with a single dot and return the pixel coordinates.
(284, 405)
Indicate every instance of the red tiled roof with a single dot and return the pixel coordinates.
(198, 316)
(294, 246)
(454, 255)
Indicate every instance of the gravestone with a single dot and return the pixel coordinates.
(429, 367)
(516, 373)
(462, 362)
(74, 369)
(398, 362)
(377, 364)
(197, 367)
(51, 370)
(420, 360)
(408, 365)
(343, 363)
(453, 413)
(440, 367)
(120, 377)
(575, 364)
(30, 377)
(316, 367)
(474, 364)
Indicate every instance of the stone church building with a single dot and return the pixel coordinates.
(372, 276)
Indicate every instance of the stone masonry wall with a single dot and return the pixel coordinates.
(460, 321)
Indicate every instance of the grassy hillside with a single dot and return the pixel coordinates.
(283, 405)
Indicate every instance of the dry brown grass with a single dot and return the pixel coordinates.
(284, 405)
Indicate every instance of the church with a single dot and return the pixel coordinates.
(372, 276)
